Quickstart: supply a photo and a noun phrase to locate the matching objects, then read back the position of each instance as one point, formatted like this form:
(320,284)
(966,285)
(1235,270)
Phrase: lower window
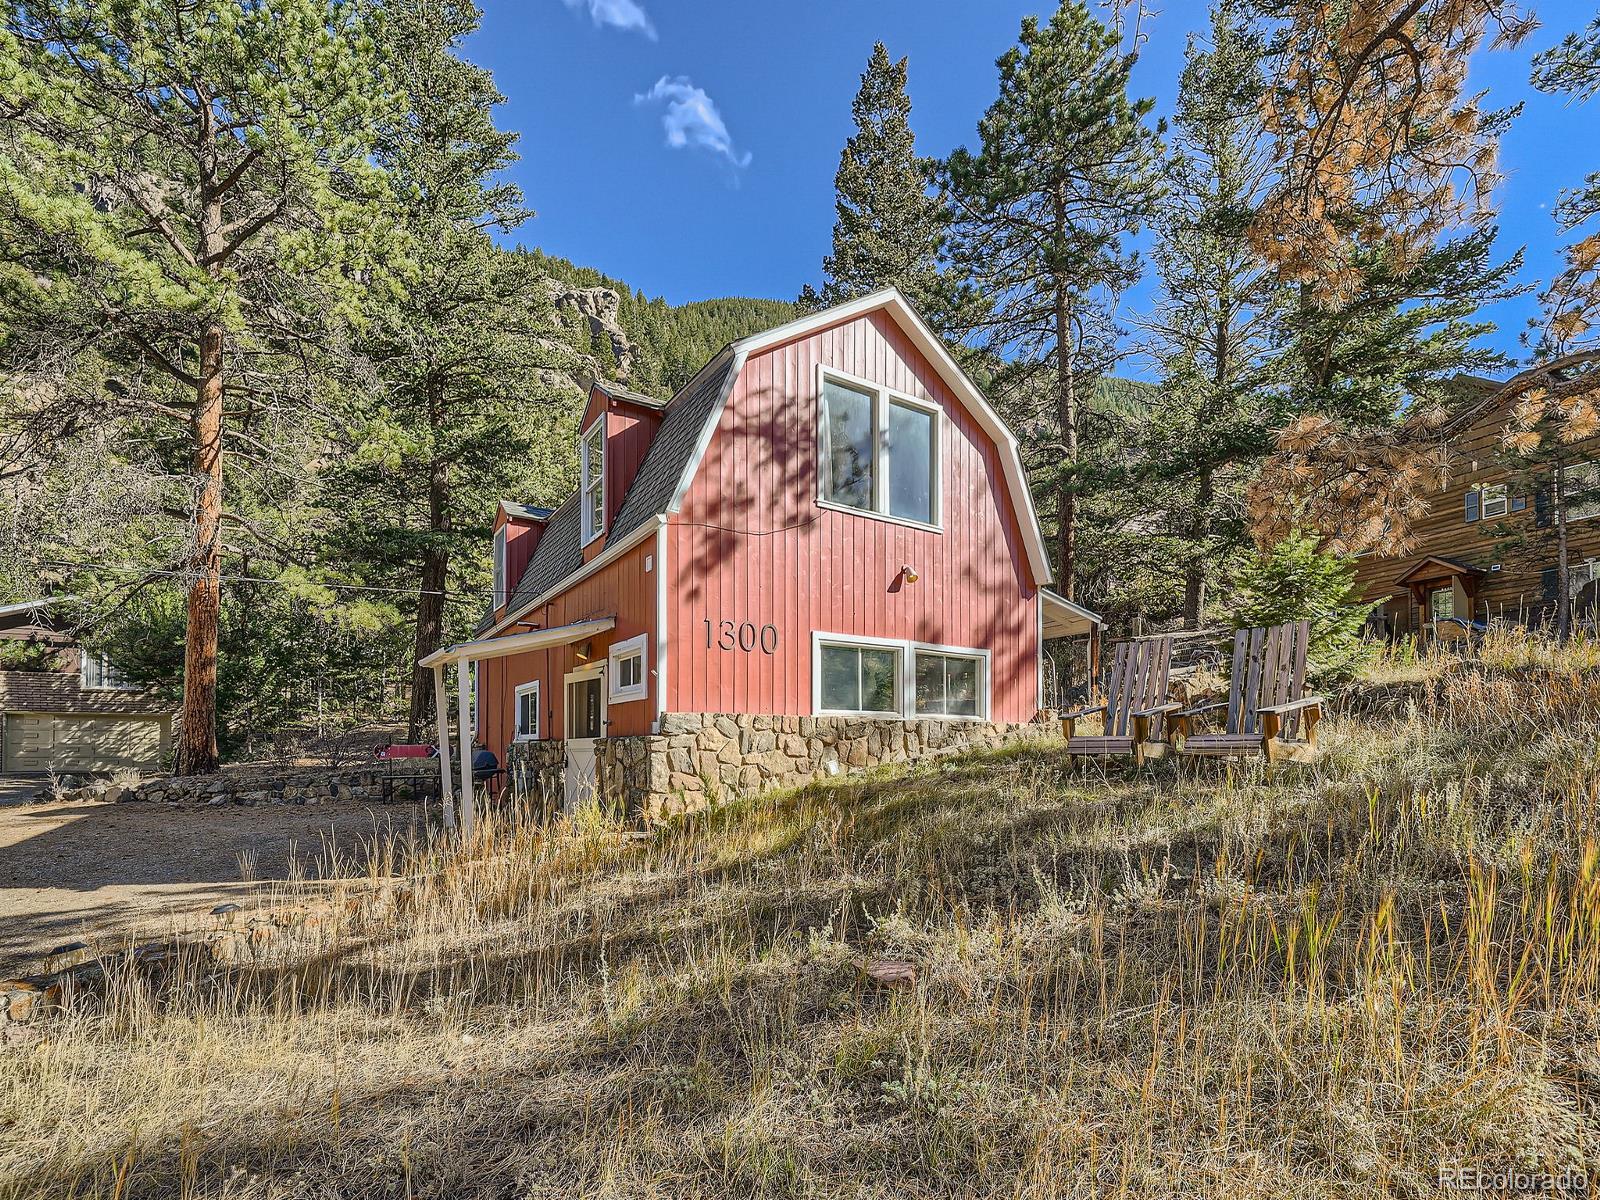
(948,684)
(527,702)
(895,678)
(859,679)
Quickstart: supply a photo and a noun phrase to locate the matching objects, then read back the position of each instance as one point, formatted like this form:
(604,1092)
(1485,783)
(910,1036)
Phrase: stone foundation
(534,770)
(701,758)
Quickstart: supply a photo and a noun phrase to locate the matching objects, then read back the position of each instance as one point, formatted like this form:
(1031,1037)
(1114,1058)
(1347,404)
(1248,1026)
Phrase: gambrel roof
(690,421)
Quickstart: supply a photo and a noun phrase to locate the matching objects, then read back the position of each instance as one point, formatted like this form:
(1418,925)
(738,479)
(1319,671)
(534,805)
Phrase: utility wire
(346,587)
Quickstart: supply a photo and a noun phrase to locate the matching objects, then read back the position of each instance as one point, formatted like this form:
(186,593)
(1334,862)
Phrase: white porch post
(441,709)
(464,732)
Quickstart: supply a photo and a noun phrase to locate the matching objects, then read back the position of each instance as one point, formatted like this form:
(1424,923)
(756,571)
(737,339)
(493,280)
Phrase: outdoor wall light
(909,573)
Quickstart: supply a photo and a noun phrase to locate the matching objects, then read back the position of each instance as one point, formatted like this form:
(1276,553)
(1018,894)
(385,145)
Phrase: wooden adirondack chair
(1136,699)
(1266,704)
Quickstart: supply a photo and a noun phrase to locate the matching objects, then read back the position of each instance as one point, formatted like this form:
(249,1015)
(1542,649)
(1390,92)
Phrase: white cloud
(619,14)
(691,119)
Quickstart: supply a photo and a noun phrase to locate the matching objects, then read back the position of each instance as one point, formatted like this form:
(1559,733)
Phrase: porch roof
(1436,566)
(1063,618)
(519,643)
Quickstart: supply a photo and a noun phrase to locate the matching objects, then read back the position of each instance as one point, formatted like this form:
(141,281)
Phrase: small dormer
(517,530)
(617,429)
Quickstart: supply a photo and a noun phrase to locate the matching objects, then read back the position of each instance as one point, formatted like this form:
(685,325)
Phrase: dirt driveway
(88,871)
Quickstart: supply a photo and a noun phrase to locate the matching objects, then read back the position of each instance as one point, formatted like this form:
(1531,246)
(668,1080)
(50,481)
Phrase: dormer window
(500,567)
(879,453)
(593,452)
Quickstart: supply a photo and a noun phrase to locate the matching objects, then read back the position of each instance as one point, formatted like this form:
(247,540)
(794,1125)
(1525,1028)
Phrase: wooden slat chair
(1266,705)
(1135,703)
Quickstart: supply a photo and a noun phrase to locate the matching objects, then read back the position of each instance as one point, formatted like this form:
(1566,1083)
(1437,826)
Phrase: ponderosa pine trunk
(430,602)
(197,743)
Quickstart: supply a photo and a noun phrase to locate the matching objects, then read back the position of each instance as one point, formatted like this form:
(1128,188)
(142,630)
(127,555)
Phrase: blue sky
(689,146)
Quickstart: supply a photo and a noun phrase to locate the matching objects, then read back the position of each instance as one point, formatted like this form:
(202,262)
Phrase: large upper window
(859,679)
(594,480)
(879,452)
(500,567)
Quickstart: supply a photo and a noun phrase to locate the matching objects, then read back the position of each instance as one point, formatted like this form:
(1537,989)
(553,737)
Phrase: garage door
(63,742)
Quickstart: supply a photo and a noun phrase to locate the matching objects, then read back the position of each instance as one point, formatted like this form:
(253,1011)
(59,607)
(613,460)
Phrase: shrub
(1296,580)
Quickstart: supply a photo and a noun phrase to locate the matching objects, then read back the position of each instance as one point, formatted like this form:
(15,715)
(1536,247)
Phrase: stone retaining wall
(412,779)
(700,758)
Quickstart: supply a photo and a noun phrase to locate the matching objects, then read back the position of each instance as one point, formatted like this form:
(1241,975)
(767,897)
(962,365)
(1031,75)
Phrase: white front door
(585,724)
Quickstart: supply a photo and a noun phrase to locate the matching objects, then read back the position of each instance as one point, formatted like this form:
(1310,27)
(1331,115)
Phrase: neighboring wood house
(71,710)
(1487,549)
(821,553)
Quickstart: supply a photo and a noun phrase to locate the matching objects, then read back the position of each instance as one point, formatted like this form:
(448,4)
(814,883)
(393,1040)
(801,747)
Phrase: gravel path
(92,871)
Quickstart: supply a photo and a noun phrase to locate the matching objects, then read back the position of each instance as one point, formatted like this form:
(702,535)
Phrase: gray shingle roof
(559,552)
(618,392)
(670,452)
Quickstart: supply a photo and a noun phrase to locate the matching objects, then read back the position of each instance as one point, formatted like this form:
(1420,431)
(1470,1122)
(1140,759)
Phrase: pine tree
(1380,223)
(1216,320)
(888,229)
(187,189)
(1067,171)
(458,410)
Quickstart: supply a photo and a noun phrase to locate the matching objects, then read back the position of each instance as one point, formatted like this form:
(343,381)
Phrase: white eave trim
(518,643)
(605,558)
(954,377)
(1058,611)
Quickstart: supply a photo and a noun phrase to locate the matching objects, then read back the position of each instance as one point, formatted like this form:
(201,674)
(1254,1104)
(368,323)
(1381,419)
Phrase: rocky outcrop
(595,314)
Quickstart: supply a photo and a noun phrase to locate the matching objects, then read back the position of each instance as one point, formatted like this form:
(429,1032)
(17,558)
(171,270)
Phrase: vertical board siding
(624,590)
(751,544)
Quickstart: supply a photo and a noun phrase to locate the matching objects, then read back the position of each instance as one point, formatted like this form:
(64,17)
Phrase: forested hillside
(652,346)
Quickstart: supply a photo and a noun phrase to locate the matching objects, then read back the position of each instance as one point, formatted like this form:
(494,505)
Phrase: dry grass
(1199,981)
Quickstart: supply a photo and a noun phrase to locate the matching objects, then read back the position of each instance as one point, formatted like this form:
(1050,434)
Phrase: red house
(820,554)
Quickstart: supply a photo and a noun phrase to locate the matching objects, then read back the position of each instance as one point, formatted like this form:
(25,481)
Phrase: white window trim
(907,682)
(524,689)
(1502,495)
(585,480)
(620,650)
(500,596)
(882,396)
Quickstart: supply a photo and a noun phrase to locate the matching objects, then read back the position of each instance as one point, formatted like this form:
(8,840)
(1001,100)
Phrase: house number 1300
(725,635)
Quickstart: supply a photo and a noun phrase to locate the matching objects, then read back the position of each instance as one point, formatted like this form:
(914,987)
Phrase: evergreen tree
(1067,171)
(187,188)
(888,230)
(458,413)
(1297,580)
(1216,320)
